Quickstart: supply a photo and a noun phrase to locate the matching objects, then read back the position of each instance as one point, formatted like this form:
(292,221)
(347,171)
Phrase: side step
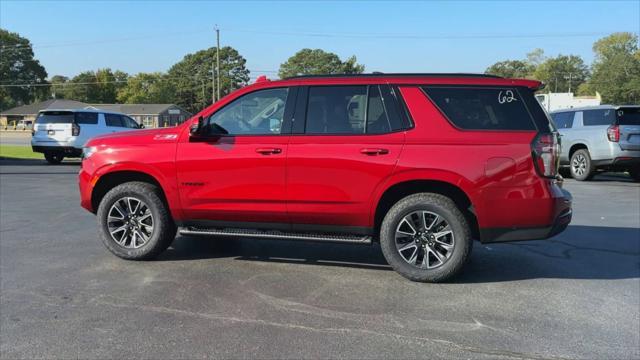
(274,234)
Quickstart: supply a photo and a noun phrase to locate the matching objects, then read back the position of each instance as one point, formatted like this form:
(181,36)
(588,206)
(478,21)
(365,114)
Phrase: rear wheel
(134,222)
(581,166)
(53,158)
(425,237)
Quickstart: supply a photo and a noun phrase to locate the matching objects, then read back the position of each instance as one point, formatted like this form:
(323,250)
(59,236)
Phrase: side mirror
(196,128)
(141,126)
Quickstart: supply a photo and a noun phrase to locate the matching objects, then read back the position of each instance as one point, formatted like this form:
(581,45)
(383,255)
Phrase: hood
(137,136)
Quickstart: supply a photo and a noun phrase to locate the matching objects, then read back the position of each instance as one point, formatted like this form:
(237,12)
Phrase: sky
(454,36)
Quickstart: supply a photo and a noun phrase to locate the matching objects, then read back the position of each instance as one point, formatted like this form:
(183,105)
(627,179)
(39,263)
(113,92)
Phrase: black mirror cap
(196,129)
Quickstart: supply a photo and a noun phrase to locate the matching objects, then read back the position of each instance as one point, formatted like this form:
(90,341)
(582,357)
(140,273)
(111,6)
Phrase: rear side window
(563,120)
(86,118)
(482,108)
(628,116)
(598,117)
(352,110)
(114,120)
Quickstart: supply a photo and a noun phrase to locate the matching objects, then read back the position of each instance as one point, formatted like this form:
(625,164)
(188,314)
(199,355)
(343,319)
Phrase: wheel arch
(577,146)
(107,179)
(402,188)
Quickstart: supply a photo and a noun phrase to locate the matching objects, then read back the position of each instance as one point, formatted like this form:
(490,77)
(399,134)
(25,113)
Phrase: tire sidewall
(456,220)
(588,169)
(159,222)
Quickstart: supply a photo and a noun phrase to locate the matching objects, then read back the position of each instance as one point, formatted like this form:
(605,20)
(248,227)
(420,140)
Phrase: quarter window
(258,113)
(86,118)
(482,108)
(598,117)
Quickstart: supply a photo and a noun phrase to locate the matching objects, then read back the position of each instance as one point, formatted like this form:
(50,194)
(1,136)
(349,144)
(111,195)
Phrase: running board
(273,234)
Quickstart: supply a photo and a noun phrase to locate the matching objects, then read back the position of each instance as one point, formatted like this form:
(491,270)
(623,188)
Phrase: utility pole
(213,83)
(218,57)
(569,78)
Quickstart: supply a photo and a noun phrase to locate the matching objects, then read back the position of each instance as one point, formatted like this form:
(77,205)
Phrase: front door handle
(268,151)
(374,151)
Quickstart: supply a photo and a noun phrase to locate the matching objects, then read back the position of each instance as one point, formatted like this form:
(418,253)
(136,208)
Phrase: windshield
(628,116)
(58,117)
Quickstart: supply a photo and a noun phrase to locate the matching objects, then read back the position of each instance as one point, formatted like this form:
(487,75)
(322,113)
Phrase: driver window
(258,113)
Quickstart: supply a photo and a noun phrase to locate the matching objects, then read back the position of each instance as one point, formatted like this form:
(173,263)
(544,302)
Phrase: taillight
(613,133)
(546,154)
(75,129)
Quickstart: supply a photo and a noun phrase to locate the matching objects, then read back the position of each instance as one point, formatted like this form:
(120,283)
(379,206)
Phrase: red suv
(422,163)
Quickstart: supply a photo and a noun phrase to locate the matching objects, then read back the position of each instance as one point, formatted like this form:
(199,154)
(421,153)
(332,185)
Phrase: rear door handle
(268,151)
(372,152)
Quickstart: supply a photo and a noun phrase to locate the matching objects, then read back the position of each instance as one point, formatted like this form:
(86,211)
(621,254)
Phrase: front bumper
(562,218)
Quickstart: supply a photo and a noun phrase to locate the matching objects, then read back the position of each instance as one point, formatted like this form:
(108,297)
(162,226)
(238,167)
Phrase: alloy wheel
(579,164)
(424,239)
(130,222)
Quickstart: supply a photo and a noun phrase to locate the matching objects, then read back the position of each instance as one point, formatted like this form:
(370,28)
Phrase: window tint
(482,108)
(382,113)
(336,110)
(629,116)
(113,120)
(86,118)
(563,120)
(257,113)
(55,117)
(130,123)
(598,117)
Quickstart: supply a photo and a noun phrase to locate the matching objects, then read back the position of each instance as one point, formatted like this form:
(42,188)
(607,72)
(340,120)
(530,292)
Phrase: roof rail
(379,74)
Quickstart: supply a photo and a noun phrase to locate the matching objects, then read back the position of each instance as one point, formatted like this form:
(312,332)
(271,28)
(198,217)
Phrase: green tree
(18,66)
(511,69)
(563,73)
(616,68)
(147,88)
(58,89)
(191,77)
(99,86)
(316,62)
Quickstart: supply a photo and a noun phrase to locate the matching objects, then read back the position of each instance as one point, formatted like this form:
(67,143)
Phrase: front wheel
(134,223)
(426,238)
(53,158)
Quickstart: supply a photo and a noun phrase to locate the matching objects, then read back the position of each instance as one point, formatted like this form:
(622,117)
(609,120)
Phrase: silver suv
(605,137)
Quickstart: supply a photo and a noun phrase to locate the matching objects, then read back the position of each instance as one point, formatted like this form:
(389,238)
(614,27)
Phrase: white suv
(60,133)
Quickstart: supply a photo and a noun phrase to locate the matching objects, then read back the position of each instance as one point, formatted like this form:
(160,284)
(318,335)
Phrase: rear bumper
(67,150)
(562,217)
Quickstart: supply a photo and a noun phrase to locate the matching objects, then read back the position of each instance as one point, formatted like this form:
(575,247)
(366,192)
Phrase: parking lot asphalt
(15,137)
(63,295)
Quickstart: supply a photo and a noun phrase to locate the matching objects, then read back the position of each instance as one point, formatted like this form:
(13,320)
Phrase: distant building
(558,101)
(150,115)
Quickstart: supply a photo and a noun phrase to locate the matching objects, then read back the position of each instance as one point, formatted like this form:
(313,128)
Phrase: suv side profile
(605,137)
(421,163)
(60,133)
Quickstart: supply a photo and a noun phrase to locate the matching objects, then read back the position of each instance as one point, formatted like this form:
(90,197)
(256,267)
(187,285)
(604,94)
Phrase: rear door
(346,143)
(53,127)
(628,120)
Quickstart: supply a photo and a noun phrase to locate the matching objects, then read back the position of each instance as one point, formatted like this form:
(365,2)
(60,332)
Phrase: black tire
(53,158)
(581,166)
(635,173)
(164,229)
(447,209)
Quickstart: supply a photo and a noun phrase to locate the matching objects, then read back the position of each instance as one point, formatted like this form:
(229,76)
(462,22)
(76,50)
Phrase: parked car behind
(605,137)
(422,163)
(60,133)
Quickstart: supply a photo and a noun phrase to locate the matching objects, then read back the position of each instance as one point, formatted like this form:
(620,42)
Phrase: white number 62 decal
(507,97)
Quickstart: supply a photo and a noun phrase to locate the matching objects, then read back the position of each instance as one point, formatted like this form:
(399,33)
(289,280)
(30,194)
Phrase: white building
(557,101)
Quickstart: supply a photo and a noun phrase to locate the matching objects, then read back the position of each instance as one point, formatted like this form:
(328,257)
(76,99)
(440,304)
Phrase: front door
(236,172)
(350,144)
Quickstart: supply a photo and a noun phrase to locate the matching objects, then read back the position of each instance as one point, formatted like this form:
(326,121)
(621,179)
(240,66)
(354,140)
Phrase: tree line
(615,73)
